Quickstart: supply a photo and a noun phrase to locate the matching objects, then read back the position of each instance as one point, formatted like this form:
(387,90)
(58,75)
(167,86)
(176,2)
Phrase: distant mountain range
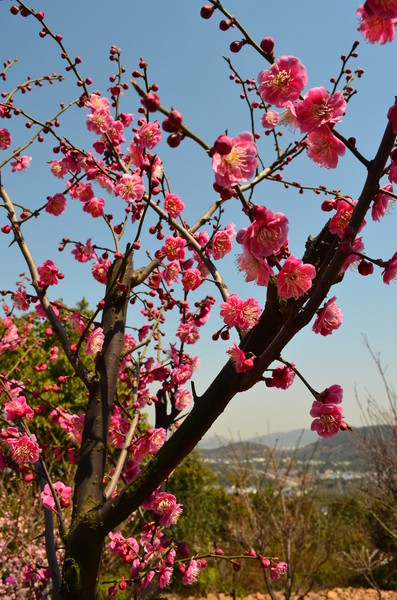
(348,447)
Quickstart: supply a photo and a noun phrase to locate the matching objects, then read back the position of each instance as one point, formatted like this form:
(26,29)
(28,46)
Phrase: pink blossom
(95,102)
(278,569)
(99,121)
(84,252)
(392,116)
(149,135)
(5,139)
(82,191)
(78,322)
(95,341)
(164,576)
(239,164)
(165,505)
(174,248)
(283,82)
(324,148)
(240,313)
(240,360)
(182,398)
(358,246)
(222,241)
(329,318)
(266,234)
(94,207)
(191,279)
(319,107)
(295,278)
(21,163)
(48,274)
(20,299)
(282,378)
(173,205)
(188,333)
(24,449)
(130,188)
(63,492)
(100,270)
(56,204)
(170,273)
(332,395)
(126,548)
(270,119)
(327,418)
(17,408)
(374,28)
(381,203)
(192,572)
(385,9)
(390,270)
(255,269)
(342,217)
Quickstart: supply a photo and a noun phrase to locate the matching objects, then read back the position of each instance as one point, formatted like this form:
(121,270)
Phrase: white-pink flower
(95,341)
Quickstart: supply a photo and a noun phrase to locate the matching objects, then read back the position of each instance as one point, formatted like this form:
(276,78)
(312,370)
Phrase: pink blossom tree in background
(156,267)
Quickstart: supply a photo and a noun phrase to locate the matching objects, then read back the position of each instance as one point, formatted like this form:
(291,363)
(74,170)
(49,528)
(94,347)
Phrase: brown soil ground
(335,594)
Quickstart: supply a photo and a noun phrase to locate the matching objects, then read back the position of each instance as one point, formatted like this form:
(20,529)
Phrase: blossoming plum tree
(121,466)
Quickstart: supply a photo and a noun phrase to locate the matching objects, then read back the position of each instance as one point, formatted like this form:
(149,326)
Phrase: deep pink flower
(20,299)
(266,234)
(174,248)
(324,148)
(130,188)
(173,205)
(18,408)
(191,279)
(352,259)
(171,272)
(5,139)
(56,204)
(222,242)
(327,418)
(188,332)
(240,313)
(239,164)
(166,505)
(381,203)
(319,107)
(374,28)
(385,9)
(84,252)
(390,270)
(48,274)
(278,569)
(329,318)
(24,449)
(149,135)
(392,116)
(282,378)
(94,207)
(283,82)
(63,492)
(341,218)
(240,360)
(295,278)
(21,163)
(332,395)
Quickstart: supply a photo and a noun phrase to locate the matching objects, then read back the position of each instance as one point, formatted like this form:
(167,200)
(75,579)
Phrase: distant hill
(347,448)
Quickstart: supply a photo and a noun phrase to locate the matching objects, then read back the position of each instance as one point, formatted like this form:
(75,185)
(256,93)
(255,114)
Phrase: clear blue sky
(184,53)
